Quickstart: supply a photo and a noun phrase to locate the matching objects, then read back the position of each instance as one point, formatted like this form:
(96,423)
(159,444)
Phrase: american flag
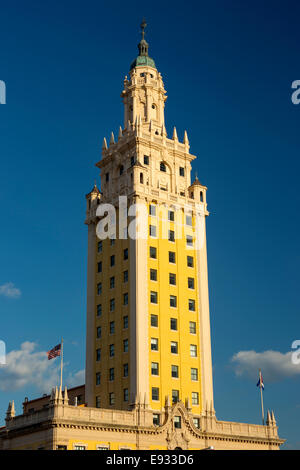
(260,382)
(54,352)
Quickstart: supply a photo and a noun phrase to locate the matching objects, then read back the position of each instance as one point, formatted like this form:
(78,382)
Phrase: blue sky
(228,68)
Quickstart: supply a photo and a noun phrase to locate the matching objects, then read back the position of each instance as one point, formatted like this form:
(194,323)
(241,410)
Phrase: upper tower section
(144,94)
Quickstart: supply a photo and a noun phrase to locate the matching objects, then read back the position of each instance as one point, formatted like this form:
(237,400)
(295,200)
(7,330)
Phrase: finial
(175,137)
(112,139)
(143,26)
(104,145)
(185,139)
(143,45)
(120,133)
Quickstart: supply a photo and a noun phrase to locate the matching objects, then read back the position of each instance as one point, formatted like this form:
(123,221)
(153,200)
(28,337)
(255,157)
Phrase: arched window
(163,167)
(201,196)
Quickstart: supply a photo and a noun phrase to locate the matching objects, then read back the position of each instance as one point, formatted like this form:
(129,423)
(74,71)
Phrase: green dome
(142,61)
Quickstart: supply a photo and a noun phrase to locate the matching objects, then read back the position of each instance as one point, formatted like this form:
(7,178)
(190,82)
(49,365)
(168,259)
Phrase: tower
(148,326)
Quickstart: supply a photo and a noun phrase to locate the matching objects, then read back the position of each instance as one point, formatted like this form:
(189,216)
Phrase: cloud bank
(9,290)
(275,366)
(28,367)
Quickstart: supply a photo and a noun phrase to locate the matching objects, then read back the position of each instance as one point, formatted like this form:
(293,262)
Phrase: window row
(111,349)
(111,374)
(173,324)
(112,261)
(174,347)
(172,257)
(173,301)
(171,215)
(112,327)
(112,282)
(175,396)
(171,235)
(112,398)
(174,371)
(172,279)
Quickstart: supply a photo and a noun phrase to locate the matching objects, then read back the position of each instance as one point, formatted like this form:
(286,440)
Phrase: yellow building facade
(148,348)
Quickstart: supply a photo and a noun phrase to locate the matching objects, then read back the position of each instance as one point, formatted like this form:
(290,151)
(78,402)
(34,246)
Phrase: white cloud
(275,366)
(9,290)
(28,367)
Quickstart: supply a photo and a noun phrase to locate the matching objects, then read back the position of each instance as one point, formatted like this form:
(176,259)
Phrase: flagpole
(261,398)
(61,362)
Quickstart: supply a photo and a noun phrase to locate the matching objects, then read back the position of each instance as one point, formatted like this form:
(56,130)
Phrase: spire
(185,139)
(104,145)
(112,139)
(175,137)
(120,133)
(143,45)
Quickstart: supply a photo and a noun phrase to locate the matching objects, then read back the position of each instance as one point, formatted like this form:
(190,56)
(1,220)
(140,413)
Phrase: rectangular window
(190,261)
(111,350)
(125,322)
(154,368)
(132,160)
(175,372)
(112,305)
(175,396)
(97,402)
(181,171)
(192,327)
(125,276)
(112,327)
(156,420)
(112,241)
(153,254)
(191,305)
(125,370)
(189,240)
(112,260)
(146,160)
(193,350)
(171,236)
(125,345)
(194,374)
(173,324)
(112,282)
(98,378)
(111,398)
(196,422)
(100,247)
(153,274)
(99,266)
(155,393)
(106,177)
(153,297)
(152,230)
(191,283)
(99,310)
(99,288)
(173,301)
(99,332)
(126,254)
(111,374)
(189,220)
(172,279)
(171,216)
(98,355)
(177,422)
(125,394)
(172,258)
(154,344)
(174,347)
(152,210)
(154,321)
(195,398)
(125,299)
